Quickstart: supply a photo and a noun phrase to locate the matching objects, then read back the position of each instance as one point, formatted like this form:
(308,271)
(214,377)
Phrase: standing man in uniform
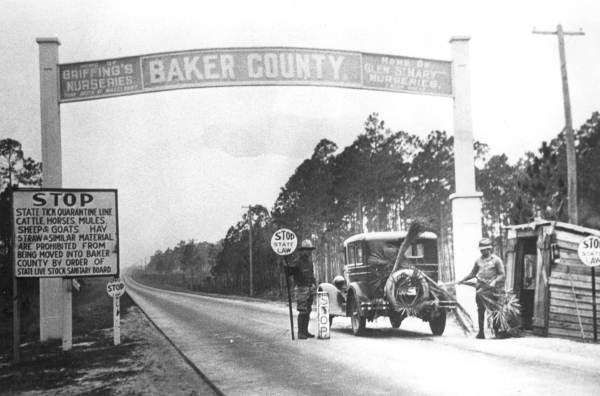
(302,272)
(489,274)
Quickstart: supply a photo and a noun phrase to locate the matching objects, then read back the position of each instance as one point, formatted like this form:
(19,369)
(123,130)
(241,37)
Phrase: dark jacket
(302,270)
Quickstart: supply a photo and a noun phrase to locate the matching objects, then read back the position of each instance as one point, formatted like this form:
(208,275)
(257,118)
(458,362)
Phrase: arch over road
(252,66)
(221,67)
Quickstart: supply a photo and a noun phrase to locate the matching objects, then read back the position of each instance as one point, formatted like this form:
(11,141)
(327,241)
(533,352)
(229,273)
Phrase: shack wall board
(571,291)
(563,299)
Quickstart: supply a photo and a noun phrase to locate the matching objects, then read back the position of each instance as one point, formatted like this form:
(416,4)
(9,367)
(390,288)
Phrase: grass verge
(143,364)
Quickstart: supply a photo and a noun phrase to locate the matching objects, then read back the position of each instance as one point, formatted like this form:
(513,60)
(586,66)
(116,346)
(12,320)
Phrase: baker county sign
(252,66)
(65,233)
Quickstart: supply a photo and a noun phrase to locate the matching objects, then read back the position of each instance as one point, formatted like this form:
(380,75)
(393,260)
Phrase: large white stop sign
(284,242)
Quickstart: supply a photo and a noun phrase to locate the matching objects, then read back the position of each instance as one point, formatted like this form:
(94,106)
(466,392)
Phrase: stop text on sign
(56,198)
(115,288)
(323,330)
(65,233)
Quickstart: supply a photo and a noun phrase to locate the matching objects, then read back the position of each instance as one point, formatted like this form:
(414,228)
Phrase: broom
(504,309)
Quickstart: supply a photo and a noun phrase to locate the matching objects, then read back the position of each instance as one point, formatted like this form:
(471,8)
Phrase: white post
(53,291)
(466,201)
(323,331)
(116,320)
(67,330)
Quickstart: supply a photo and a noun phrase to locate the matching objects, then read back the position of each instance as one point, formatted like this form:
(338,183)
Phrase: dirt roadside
(144,364)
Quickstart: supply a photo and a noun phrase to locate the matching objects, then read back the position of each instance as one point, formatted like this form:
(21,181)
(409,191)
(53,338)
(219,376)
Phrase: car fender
(337,300)
(358,291)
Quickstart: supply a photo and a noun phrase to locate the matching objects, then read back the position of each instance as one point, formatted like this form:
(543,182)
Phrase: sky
(185,162)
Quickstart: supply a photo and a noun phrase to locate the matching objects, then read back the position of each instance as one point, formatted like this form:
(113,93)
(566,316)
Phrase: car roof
(385,236)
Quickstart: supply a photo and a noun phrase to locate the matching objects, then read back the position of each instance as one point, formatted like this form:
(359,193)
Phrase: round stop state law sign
(284,242)
(589,251)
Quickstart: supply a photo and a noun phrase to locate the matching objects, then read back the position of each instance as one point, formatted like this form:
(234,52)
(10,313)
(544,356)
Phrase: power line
(570,138)
(250,247)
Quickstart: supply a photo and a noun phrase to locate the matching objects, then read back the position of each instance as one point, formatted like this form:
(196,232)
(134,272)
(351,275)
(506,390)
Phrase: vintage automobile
(370,289)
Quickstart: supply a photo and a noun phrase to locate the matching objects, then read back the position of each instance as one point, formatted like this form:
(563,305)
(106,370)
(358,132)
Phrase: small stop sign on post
(116,289)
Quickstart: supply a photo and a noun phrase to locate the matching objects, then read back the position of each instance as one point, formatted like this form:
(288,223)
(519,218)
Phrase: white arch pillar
(55,302)
(466,201)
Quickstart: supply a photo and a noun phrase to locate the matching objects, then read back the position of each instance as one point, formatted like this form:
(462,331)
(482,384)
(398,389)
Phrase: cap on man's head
(307,244)
(485,243)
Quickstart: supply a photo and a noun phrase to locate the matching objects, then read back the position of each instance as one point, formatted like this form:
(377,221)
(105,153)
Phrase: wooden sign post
(283,243)
(115,289)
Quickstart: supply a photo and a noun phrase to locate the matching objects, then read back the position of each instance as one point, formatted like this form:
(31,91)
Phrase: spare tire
(399,290)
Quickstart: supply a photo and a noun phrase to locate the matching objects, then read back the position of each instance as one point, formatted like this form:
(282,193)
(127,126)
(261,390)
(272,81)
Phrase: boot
(302,327)
(481,320)
(307,320)
(498,332)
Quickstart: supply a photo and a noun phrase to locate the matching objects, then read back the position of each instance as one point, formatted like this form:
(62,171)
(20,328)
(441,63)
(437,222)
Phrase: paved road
(245,348)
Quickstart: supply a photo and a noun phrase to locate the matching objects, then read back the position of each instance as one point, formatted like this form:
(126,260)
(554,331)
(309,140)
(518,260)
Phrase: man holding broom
(489,274)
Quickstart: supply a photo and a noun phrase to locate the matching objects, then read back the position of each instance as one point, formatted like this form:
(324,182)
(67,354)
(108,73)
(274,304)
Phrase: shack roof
(557,224)
(386,236)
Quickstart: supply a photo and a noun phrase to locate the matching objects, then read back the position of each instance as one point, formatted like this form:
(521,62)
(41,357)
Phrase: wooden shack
(553,286)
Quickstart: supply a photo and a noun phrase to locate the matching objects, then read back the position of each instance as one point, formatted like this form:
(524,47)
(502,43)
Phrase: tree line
(191,260)
(382,181)
(386,179)
(16,169)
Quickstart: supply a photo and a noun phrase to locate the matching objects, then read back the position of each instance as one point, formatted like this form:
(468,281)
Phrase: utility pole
(570,137)
(250,246)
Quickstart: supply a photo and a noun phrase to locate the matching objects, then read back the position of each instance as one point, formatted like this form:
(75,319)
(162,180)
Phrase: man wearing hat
(304,286)
(489,273)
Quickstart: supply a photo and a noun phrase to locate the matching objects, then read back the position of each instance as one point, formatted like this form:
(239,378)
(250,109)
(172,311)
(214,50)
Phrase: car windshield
(384,252)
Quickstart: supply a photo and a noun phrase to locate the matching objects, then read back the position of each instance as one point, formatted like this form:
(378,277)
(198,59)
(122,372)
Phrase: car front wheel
(358,321)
